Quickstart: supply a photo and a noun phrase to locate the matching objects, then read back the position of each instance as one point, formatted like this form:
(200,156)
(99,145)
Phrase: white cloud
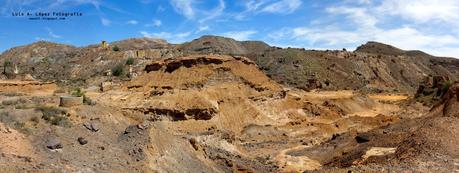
(410,38)
(105,21)
(51,33)
(268,6)
(184,7)
(254,5)
(202,28)
(160,9)
(155,23)
(331,37)
(422,11)
(62,3)
(357,15)
(162,35)
(42,39)
(171,37)
(192,11)
(183,34)
(132,22)
(364,1)
(283,6)
(350,25)
(407,38)
(240,35)
(211,14)
(145,1)
(279,34)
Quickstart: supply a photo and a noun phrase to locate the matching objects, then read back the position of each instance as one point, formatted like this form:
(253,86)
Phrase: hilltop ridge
(372,66)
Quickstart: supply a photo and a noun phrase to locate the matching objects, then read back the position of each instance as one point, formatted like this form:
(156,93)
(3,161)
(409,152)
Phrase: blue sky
(428,25)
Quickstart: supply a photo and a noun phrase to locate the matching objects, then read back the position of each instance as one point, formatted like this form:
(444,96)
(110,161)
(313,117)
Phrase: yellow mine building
(104,44)
(140,53)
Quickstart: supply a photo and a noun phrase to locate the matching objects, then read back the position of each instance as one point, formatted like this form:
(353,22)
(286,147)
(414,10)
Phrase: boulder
(82,141)
(53,144)
(361,138)
(28,77)
(93,126)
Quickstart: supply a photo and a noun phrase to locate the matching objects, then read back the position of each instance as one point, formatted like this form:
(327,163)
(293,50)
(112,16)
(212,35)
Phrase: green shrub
(80,93)
(445,87)
(130,61)
(88,101)
(116,48)
(6,63)
(118,70)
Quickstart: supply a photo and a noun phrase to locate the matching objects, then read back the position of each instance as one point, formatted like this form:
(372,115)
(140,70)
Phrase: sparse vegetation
(12,122)
(14,102)
(24,106)
(130,61)
(445,87)
(55,116)
(6,64)
(11,94)
(116,48)
(118,70)
(60,90)
(78,92)
(35,120)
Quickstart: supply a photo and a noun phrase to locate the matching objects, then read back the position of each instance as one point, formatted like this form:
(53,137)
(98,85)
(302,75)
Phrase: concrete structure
(69,101)
(105,86)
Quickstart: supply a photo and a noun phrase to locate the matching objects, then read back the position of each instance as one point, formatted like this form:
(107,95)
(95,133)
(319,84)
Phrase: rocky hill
(212,113)
(212,44)
(371,67)
(380,48)
(141,44)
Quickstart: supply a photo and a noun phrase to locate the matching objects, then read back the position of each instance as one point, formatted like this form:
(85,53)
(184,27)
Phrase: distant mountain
(371,67)
(37,50)
(141,43)
(379,48)
(222,45)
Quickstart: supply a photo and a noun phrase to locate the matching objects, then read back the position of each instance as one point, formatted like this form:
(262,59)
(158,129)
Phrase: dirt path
(328,95)
(296,163)
(30,87)
(388,97)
